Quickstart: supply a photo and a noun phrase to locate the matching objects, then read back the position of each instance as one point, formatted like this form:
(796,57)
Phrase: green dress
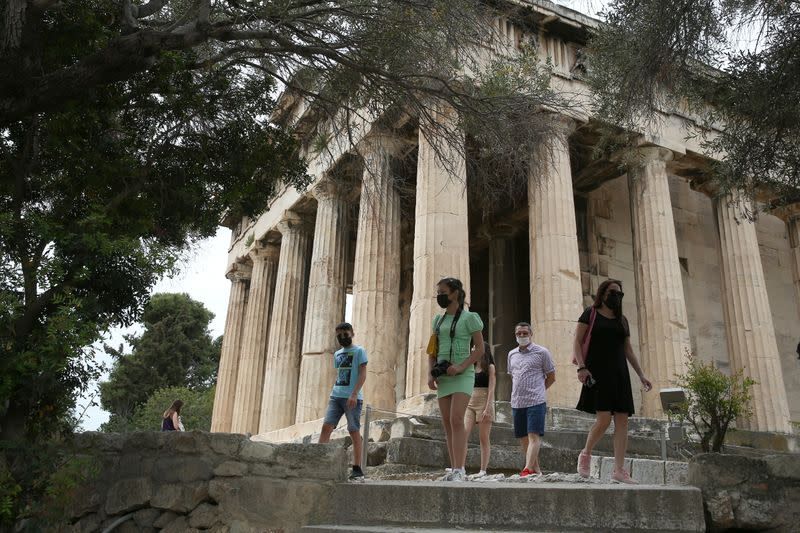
(468,323)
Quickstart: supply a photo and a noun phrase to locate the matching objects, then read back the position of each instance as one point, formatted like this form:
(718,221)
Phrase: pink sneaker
(584,460)
(623,477)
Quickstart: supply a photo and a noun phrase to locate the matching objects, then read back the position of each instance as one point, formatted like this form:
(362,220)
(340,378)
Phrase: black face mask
(614,301)
(344,341)
(443,300)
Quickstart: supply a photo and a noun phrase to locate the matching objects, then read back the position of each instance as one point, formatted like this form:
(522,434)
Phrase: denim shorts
(529,420)
(338,407)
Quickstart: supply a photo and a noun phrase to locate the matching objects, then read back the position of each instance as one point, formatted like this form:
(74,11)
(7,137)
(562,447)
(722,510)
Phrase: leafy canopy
(654,56)
(175,350)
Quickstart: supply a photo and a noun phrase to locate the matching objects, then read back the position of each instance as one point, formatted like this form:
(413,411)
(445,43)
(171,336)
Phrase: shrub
(713,401)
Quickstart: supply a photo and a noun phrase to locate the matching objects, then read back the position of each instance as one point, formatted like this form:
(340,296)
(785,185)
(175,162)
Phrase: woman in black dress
(603,372)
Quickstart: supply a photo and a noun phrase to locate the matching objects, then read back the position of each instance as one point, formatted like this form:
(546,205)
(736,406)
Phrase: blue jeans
(529,420)
(338,407)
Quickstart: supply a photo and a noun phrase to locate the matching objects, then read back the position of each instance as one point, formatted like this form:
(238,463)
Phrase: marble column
(791,215)
(250,382)
(225,394)
(555,272)
(663,324)
(441,240)
(376,276)
(286,327)
(325,307)
(748,318)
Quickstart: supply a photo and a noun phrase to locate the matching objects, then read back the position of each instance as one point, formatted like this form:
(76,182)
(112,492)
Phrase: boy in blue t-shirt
(346,398)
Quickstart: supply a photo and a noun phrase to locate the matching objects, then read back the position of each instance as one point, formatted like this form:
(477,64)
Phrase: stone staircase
(427,506)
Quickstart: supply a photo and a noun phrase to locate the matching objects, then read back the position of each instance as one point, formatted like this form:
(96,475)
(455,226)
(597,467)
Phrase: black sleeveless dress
(608,365)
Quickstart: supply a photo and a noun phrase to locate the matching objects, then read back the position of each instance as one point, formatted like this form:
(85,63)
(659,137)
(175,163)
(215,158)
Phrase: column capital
(326,189)
(788,212)
(563,124)
(265,252)
(294,223)
(239,272)
(380,140)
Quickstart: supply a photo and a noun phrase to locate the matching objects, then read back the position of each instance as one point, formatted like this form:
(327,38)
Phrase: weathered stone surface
(257,500)
(182,469)
(204,516)
(226,444)
(607,467)
(257,451)
(128,494)
(648,471)
(180,498)
(306,461)
(166,518)
(376,454)
(184,442)
(231,469)
(676,473)
(146,517)
(524,506)
(96,441)
(380,430)
(743,493)
(784,466)
(135,465)
(87,524)
(179,525)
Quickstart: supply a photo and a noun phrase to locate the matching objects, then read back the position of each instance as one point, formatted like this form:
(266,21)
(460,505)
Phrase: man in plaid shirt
(532,373)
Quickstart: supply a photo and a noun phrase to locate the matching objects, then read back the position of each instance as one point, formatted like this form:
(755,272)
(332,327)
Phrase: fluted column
(663,323)
(441,240)
(286,327)
(250,382)
(376,276)
(225,394)
(325,307)
(791,215)
(503,303)
(556,294)
(748,318)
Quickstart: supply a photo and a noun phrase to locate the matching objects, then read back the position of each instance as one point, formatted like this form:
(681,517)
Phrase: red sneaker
(525,473)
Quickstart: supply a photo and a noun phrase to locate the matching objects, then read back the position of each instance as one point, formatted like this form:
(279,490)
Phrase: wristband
(582,368)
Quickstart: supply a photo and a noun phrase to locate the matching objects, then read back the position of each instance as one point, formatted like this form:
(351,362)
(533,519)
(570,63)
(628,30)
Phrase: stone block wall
(748,494)
(204,481)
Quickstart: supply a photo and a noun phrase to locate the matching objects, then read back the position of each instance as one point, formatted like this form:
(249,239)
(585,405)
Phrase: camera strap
(452,329)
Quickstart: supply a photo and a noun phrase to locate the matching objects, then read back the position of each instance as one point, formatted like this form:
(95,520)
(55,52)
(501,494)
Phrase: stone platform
(430,506)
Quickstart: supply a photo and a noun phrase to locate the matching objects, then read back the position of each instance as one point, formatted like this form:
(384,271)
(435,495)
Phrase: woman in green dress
(452,374)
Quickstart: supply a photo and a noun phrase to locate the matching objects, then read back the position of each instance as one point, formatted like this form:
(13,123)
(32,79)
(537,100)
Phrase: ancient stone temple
(384,222)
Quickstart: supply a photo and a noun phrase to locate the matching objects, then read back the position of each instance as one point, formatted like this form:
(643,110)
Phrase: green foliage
(175,350)
(9,494)
(656,56)
(195,413)
(714,400)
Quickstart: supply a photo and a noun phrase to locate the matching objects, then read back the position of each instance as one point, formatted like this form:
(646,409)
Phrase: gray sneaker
(457,475)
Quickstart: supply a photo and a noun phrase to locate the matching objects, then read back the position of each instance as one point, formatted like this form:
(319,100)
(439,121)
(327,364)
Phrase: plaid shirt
(528,367)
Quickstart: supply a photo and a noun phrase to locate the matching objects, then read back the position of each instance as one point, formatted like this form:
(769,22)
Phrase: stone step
(518,506)
(432,454)
(408,529)
(430,428)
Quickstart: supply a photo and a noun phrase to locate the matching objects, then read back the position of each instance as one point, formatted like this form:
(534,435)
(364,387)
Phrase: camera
(440,369)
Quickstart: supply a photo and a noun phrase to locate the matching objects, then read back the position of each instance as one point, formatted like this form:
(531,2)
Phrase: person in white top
(532,373)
